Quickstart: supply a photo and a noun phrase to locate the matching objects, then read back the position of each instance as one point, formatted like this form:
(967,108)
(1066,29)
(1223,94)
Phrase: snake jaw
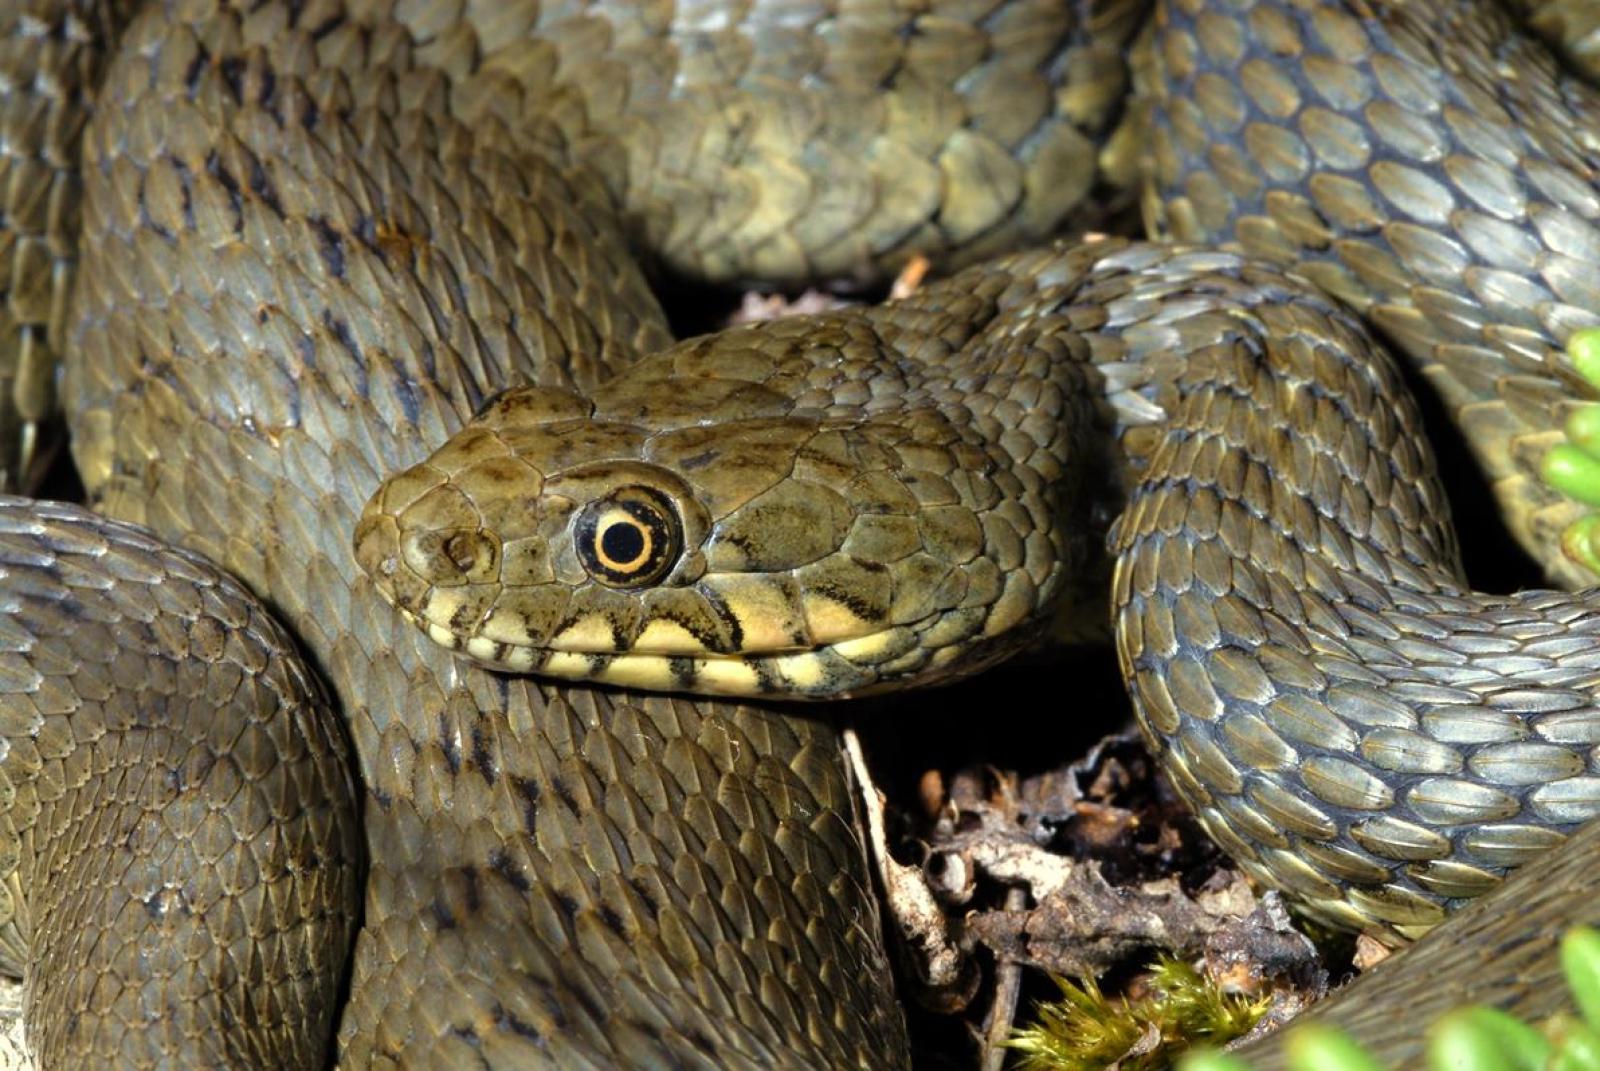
(812,674)
(826,673)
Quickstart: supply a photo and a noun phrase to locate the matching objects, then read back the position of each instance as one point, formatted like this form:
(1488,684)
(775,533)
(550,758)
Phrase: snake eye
(630,538)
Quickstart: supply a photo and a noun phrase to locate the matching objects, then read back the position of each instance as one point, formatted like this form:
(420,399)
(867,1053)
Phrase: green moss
(1087,1031)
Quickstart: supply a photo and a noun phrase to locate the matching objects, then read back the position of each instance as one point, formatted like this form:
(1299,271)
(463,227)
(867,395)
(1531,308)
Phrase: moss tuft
(1087,1031)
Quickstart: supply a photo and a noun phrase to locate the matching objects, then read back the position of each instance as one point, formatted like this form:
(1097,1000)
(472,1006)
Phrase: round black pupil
(622,542)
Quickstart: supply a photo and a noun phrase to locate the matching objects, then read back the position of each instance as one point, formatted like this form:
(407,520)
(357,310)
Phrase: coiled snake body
(318,236)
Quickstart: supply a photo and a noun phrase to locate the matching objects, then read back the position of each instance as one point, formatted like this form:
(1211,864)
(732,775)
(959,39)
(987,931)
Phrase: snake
(255,816)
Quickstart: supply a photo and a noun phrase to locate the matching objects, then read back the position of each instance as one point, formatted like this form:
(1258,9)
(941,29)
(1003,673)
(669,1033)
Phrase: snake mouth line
(820,673)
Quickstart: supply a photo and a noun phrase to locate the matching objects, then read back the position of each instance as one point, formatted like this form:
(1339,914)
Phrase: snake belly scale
(319,236)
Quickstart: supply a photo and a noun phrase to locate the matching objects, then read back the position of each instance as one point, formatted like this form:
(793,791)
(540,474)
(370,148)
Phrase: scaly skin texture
(1500,950)
(180,821)
(322,235)
(1353,724)
(951,132)
(53,53)
(1396,162)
